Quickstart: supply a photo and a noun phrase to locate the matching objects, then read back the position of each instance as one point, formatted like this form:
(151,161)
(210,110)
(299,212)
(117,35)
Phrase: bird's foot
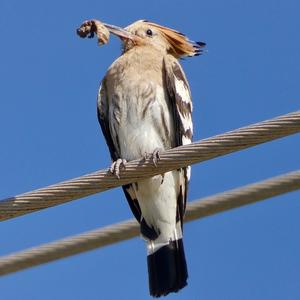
(154,156)
(117,165)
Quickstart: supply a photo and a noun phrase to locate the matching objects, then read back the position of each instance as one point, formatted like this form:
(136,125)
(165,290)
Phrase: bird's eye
(149,32)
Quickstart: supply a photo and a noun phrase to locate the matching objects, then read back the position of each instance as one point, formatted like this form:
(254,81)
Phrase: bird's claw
(117,165)
(154,156)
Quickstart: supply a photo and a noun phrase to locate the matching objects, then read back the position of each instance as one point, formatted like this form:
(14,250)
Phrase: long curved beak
(120,32)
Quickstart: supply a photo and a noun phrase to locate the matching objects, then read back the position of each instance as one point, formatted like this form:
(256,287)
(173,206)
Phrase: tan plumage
(179,44)
(175,43)
(144,104)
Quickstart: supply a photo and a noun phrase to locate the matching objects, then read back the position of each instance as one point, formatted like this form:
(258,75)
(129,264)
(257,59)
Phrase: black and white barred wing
(181,103)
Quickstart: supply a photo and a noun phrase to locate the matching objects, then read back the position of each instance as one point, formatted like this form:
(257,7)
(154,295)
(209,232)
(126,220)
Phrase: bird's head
(143,33)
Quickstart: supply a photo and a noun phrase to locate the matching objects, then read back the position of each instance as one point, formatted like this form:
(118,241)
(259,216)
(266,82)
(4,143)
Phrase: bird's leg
(117,165)
(154,156)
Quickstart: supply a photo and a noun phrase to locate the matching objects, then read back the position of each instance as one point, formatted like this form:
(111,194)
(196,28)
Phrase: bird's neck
(143,57)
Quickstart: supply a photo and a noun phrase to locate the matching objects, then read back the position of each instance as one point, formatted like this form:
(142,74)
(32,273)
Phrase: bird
(144,107)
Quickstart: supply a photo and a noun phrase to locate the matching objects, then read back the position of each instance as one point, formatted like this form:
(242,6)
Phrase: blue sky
(49,133)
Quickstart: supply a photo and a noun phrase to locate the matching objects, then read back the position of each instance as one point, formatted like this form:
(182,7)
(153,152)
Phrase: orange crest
(180,45)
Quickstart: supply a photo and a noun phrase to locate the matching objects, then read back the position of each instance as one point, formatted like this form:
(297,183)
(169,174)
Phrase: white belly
(136,141)
(138,132)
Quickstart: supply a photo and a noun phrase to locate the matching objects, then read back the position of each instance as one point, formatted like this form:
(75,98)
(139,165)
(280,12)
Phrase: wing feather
(103,118)
(181,103)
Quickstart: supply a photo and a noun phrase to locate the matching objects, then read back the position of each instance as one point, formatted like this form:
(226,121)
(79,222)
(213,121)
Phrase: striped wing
(181,103)
(103,118)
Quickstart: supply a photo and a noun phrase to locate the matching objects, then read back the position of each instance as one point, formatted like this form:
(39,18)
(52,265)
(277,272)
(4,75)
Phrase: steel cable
(138,169)
(126,230)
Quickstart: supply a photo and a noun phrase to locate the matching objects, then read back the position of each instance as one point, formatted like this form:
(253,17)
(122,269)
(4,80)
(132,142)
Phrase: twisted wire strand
(138,169)
(126,230)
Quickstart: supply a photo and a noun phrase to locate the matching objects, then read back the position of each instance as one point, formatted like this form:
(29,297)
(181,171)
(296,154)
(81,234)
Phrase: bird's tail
(167,268)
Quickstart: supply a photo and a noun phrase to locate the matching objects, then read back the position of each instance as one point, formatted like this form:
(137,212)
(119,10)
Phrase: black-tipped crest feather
(180,45)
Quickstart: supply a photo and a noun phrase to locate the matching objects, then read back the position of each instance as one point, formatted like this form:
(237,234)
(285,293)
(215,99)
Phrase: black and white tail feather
(167,269)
